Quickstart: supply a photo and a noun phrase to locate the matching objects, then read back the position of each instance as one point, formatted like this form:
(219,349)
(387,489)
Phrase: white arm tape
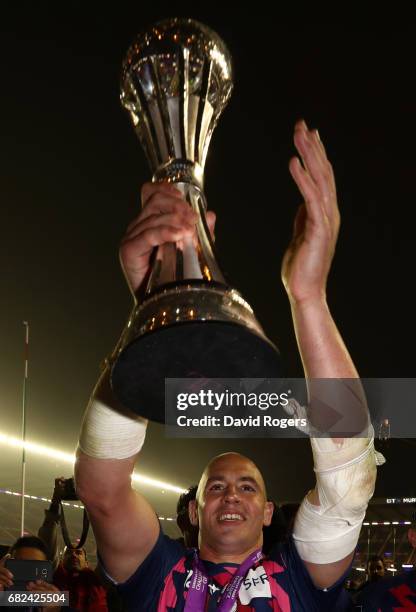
(345,477)
(108,430)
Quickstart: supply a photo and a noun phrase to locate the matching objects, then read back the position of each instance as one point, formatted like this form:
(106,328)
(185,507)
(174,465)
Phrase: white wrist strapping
(108,430)
(345,476)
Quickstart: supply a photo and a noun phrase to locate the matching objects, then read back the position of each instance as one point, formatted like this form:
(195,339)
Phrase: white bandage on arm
(345,480)
(109,431)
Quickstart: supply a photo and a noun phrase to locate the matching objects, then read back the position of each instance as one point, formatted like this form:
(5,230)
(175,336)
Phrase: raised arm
(329,520)
(125,526)
(307,261)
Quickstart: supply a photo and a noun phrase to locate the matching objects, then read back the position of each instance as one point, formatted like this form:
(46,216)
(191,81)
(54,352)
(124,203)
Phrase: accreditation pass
(29,599)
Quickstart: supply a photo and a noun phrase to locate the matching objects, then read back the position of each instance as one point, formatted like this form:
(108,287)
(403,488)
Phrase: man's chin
(75,568)
(231,533)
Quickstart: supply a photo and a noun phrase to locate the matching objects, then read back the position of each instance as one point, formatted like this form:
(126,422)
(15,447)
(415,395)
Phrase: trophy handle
(192,258)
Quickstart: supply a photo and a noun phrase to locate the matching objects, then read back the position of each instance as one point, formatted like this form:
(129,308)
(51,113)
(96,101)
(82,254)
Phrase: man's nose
(231,494)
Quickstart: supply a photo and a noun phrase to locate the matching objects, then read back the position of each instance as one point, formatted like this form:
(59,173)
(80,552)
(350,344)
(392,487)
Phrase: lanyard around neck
(197,594)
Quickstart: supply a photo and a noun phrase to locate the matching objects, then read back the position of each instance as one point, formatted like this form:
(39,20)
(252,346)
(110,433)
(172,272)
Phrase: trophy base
(200,349)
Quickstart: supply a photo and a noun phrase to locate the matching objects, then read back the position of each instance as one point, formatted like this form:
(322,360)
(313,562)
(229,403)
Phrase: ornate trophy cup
(187,321)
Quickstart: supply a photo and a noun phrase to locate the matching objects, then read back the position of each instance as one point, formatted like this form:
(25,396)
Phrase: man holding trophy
(228,571)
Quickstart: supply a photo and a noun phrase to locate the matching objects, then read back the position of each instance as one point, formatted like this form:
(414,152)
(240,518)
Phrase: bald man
(229,571)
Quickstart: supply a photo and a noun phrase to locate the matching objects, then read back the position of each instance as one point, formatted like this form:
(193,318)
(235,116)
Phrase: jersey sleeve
(142,590)
(300,588)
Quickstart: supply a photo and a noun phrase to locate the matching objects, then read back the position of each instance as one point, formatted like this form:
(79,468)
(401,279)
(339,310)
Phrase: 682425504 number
(29,598)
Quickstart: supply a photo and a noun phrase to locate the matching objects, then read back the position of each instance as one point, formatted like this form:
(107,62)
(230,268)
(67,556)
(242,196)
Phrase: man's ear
(268,513)
(193,512)
(411,534)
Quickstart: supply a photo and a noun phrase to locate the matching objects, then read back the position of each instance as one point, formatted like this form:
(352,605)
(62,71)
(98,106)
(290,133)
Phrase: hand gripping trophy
(187,320)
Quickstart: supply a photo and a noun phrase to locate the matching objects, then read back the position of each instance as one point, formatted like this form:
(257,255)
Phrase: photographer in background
(72,573)
(86,591)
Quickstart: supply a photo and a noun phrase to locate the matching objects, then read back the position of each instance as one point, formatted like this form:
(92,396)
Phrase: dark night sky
(71,169)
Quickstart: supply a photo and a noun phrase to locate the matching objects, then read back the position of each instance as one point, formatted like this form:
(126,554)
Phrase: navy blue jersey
(279,582)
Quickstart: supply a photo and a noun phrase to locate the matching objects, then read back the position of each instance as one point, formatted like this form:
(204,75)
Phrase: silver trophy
(186,321)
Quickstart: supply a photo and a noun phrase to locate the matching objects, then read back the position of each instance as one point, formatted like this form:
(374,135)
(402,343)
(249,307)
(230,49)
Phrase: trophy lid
(176,80)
